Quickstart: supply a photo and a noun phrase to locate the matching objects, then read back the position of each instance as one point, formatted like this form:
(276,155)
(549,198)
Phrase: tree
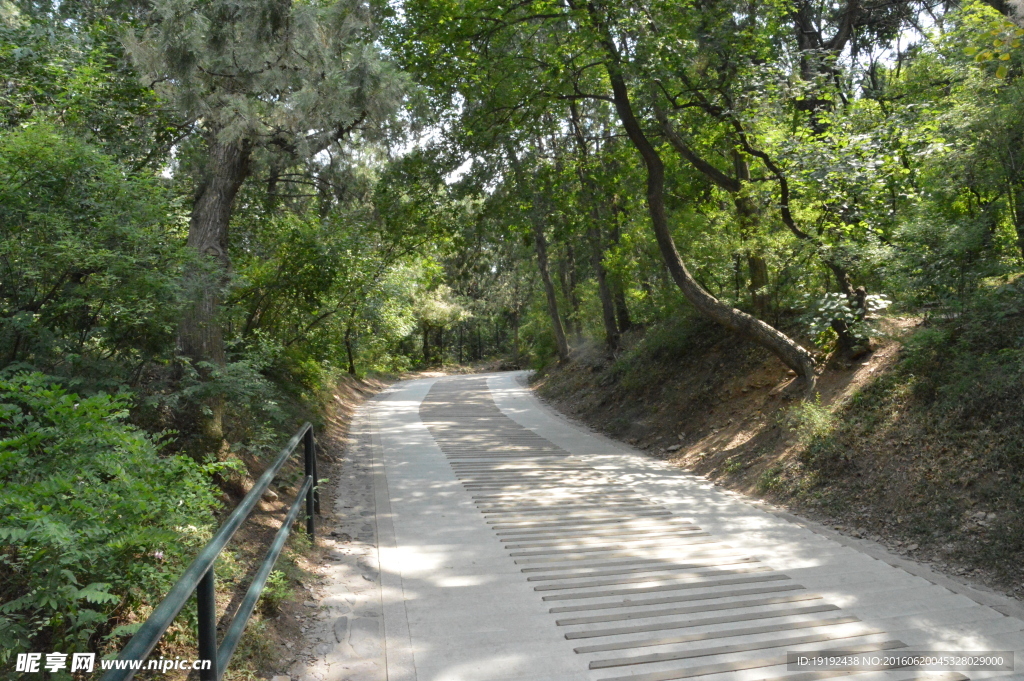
(289,80)
(561,49)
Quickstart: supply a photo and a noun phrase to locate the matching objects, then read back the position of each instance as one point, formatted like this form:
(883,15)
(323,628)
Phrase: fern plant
(94,523)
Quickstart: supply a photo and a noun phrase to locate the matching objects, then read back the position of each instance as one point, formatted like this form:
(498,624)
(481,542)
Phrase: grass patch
(771,480)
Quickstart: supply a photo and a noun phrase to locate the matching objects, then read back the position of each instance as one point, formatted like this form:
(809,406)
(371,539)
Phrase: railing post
(310,452)
(206,602)
(316,475)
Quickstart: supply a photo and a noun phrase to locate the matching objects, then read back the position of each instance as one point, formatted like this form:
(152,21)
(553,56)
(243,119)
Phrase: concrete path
(513,544)
(343,629)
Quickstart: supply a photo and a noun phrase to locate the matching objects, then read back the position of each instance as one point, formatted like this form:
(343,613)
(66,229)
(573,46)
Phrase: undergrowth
(82,491)
(936,443)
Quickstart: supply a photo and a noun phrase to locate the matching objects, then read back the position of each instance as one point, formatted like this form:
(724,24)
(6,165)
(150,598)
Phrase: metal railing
(199,576)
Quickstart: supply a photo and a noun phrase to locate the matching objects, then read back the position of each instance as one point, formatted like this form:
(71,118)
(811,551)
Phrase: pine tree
(252,76)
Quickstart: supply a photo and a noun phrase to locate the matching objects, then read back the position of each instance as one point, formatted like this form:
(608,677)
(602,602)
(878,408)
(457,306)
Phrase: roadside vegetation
(914,445)
(785,238)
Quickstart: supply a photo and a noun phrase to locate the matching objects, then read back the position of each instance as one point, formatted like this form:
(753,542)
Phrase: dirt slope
(878,455)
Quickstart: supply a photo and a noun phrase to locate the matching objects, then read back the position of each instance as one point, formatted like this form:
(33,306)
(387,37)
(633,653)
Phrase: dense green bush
(94,523)
(91,266)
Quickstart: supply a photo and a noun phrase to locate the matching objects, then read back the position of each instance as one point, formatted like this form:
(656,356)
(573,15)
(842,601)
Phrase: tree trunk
(541,244)
(515,339)
(567,276)
(622,318)
(758,284)
(604,292)
(200,337)
(611,330)
(549,289)
(749,218)
(1018,215)
(426,344)
(348,350)
(787,350)
(575,298)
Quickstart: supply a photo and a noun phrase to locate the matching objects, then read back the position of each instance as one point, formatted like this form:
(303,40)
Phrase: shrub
(94,523)
(816,427)
(274,593)
(836,307)
(91,260)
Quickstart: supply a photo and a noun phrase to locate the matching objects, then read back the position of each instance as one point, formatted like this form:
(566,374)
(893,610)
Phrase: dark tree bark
(604,292)
(200,337)
(549,290)
(783,347)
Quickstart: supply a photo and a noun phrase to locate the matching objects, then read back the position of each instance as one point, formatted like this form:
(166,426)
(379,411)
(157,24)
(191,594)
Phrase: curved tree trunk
(746,213)
(786,349)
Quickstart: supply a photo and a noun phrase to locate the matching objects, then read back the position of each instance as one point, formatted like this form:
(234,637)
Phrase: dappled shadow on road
(518,556)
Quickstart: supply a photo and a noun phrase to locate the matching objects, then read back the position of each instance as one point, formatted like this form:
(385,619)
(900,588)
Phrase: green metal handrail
(199,577)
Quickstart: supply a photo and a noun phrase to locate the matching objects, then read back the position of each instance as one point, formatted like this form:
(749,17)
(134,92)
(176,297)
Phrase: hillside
(917,445)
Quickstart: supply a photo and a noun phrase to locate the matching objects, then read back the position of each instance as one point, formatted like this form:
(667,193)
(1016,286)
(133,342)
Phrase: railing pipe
(234,633)
(151,631)
(206,606)
(316,476)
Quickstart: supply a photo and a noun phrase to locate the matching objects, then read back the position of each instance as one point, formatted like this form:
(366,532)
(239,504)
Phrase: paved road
(515,545)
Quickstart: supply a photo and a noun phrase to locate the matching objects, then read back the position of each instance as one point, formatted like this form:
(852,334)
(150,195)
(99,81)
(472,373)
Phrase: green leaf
(97,593)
